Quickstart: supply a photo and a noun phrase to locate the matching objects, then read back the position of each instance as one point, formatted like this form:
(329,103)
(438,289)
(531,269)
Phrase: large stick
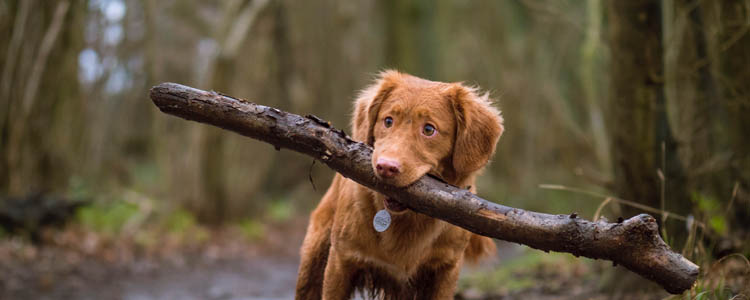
(634,243)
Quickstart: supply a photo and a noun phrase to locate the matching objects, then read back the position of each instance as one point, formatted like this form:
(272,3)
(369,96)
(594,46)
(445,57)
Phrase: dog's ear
(478,128)
(368,103)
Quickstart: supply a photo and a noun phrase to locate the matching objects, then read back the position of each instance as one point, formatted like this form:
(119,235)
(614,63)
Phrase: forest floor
(78,264)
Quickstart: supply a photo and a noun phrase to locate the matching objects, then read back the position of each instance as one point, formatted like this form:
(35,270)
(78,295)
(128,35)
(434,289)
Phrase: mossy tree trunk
(39,131)
(730,50)
(709,102)
(411,43)
(640,135)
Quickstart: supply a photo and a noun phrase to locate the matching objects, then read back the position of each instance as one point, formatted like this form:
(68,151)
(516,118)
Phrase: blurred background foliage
(646,101)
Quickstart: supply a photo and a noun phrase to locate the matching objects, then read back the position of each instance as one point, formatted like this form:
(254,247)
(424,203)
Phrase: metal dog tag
(381,221)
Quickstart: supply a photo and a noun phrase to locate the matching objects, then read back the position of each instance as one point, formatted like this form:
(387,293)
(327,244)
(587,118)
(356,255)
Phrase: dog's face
(413,133)
(418,126)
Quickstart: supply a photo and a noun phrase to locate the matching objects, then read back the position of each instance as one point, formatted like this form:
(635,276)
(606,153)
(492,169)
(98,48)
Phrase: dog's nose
(387,168)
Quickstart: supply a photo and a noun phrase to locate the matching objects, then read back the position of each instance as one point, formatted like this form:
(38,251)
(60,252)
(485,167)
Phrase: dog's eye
(428,130)
(388,122)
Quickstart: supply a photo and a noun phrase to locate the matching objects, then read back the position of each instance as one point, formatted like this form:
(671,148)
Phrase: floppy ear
(368,103)
(478,128)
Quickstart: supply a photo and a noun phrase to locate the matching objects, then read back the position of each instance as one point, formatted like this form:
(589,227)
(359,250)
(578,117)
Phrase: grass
(180,221)
(252,229)
(727,277)
(107,218)
(280,211)
(532,270)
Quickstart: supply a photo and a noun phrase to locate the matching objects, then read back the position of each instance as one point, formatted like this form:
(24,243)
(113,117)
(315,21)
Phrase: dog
(416,127)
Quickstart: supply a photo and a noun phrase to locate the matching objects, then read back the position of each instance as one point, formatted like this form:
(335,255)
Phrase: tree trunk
(411,44)
(641,139)
(731,46)
(37,99)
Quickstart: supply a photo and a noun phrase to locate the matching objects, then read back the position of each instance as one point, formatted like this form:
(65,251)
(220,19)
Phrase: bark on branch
(634,243)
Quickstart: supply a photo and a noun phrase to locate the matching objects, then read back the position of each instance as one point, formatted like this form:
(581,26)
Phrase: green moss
(146,239)
(106,218)
(705,203)
(517,274)
(280,211)
(711,207)
(252,229)
(718,224)
(180,221)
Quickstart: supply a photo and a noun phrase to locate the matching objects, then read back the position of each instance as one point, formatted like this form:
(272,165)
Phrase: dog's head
(418,126)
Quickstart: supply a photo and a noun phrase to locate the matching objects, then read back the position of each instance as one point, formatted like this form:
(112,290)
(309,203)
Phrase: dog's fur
(418,257)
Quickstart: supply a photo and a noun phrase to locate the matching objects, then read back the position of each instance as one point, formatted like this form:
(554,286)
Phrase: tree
(43,35)
(645,165)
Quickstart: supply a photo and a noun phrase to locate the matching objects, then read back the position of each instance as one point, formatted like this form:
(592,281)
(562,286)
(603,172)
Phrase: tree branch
(634,243)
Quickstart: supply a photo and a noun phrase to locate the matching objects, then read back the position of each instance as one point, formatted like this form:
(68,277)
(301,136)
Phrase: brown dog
(416,127)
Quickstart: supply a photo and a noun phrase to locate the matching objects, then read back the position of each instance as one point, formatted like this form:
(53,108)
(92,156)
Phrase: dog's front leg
(443,283)
(314,258)
(337,282)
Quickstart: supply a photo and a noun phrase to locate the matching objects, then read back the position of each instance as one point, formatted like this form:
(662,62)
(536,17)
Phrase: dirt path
(75,264)
(236,278)
(254,279)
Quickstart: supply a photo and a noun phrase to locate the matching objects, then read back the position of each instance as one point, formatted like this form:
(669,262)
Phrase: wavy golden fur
(416,127)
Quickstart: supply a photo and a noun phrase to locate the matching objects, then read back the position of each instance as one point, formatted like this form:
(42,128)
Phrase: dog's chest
(403,248)
(410,242)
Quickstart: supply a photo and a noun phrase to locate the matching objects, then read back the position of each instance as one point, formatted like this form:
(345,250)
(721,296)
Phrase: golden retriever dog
(416,127)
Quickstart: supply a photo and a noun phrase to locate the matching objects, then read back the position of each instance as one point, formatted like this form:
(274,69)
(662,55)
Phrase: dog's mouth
(393,205)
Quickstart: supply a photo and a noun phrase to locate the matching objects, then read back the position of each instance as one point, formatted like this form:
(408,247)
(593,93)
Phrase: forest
(611,108)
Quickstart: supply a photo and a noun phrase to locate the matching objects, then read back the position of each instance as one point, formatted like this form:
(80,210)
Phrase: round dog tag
(381,221)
